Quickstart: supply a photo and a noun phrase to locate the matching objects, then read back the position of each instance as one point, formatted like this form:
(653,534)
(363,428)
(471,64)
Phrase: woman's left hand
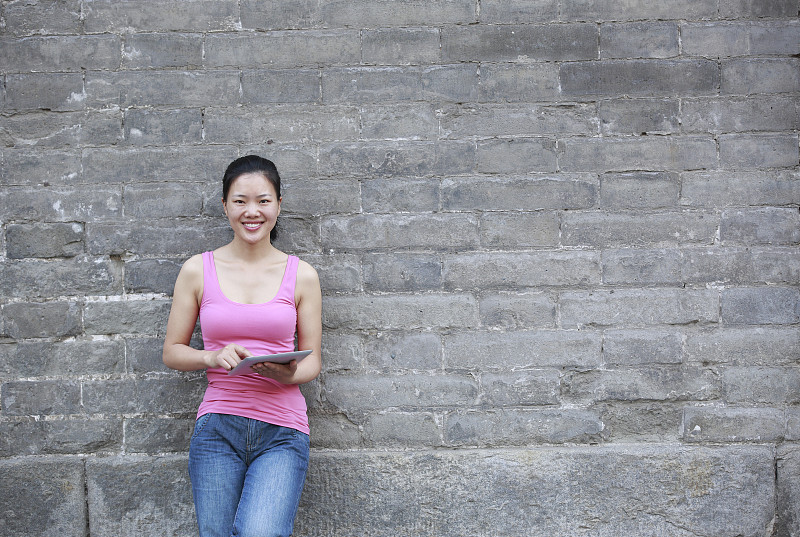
(283,373)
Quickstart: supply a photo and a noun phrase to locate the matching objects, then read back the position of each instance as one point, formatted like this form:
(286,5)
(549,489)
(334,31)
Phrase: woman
(249,451)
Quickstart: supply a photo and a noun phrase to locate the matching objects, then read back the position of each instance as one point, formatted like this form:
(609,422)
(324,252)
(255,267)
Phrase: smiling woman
(251,299)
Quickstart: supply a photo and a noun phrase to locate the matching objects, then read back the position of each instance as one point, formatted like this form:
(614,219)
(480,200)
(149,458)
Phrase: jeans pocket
(200,424)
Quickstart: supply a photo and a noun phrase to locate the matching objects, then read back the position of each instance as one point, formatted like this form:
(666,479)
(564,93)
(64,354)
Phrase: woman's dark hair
(252,164)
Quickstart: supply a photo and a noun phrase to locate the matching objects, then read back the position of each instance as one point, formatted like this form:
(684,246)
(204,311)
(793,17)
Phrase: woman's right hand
(227,357)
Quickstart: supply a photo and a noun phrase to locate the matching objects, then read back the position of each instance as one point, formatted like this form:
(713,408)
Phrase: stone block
(776,265)
(638,307)
(58,92)
(524,155)
(163,128)
(281,50)
(627,40)
(410,121)
(174,395)
(642,347)
(521,388)
(403,351)
(393,159)
(170,88)
(400,312)
(160,50)
(517,310)
(36,278)
(41,398)
(402,429)
(620,154)
(641,422)
(519,12)
(194,15)
(71,357)
(788,490)
(459,121)
(174,200)
(701,490)
(717,265)
(750,76)
(400,46)
(157,237)
(158,435)
(520,230)
(737,188)
(43,497)
(441,231)
(519,83)
(44,130)
(641,78)
(741,114)
(772,225)
(649,230)
(725,39)
(342,352)
(515,270)
(399,195)
(402,272)
(531,349)
(609,10)
(44,17)
(726,425)
(323,196)
(165,510)
(25,320)
(151,275)
(34,170)
(143,355)
(529,42)
(532,192)
(300,86)
(639,116)
(751,9)
(642,267)
(61,437)
(753,151)
(337,272)
(147,317)
(761,305)
(60,54)
(44,240)
(756,385)
(744,345)
(73,204)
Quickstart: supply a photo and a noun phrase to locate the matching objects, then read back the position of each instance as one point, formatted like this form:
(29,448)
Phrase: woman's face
(252,207)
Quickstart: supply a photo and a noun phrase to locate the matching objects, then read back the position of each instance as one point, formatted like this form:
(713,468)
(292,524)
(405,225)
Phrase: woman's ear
(224,209)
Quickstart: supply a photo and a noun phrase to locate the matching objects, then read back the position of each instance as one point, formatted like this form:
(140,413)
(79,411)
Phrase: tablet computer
(243,367)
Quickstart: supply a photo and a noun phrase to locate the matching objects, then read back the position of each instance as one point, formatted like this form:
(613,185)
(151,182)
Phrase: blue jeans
(246,475)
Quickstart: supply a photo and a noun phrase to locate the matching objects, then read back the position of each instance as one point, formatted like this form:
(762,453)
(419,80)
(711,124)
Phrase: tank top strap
(289,279)
(211,288)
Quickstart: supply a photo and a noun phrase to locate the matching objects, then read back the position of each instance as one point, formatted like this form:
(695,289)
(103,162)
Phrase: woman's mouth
(252,225)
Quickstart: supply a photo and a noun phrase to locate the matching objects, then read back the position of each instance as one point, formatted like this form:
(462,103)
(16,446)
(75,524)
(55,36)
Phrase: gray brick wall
(558,244)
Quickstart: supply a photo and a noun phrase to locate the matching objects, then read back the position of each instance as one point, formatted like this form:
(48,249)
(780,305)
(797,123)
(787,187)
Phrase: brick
(645,422)
(158,435)
(403,351)
(400,46)
(126,317)
(761,385)
(517,119)
(638,230)
(515,427)
(83,275)
(752,151)
(518,311)
(156,395)
(279,50)
(609,10)
(24,167)
(162,88)
(502,270)
(519,154)
(151,275)
(399,391)
(642,347)
(771,225)
(62,53)
(725,39)
(163,127)
(439,231)
(660,383)
(413,121)
(640,153)
(399,195)
(296,123)
(761,305)
(337,272)
(43,497)
(71,204)
(298,235)
(42,129)
(737,188)
(147,165)
(313,197)
(157,238)
(519,82)
(341,351)
(166,510)
(716,264)
(521,388)
(334,432)
(748,76)
(776,265)
(715,491)
(639,40)
(638,307)
(639,116)
(151,15)
(57,92)
(44,397)
(740,114)
(402,272)
(639,78)
(727,425)
(792,424)
(520,230)
(503,351)
(144,354)
(43,17)
(63,437)
(519,11)
(755,8)
(642,266)
(532,192)
(159,50)
(405,312)
(273,14)
(408,429)
(639,190)
(71,357)
(149,201)
(25,320)
(44,240)
(788,476)
(502,43)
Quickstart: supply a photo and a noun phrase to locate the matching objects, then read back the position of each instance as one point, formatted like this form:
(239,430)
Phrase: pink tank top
(266,328)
